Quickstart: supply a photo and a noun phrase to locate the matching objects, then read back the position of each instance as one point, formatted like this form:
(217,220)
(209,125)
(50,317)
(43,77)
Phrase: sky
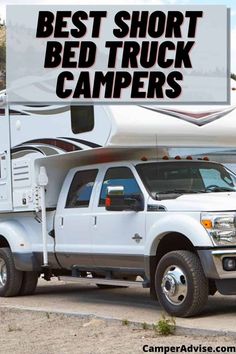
(229,3)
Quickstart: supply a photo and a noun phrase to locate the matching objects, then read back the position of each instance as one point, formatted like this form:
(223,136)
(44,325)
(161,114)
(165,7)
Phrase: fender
(16,235)
(19,241)
(187,225)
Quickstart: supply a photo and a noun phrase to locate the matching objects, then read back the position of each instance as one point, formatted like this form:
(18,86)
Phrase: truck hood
(219,201)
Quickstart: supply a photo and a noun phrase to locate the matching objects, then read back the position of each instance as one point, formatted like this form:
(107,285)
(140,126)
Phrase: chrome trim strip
(219,252)
(218,256)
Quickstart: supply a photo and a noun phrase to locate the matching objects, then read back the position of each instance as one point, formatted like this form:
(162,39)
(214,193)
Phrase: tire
(180,283)
(29,283)
(10,277)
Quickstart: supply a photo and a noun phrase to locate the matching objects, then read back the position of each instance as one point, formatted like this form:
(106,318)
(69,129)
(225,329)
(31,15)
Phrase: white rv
(174,218)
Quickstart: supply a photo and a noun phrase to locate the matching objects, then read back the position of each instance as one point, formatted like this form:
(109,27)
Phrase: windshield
(165,179)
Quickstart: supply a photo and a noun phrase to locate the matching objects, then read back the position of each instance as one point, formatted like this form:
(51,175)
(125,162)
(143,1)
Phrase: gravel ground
(46,333)
(134,304)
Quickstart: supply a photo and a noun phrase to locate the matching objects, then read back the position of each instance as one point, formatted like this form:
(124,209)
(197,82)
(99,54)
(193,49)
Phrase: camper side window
(81,189)
(82,119)
(3,166)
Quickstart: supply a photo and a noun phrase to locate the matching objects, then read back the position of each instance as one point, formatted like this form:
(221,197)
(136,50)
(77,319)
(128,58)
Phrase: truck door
(73,217)
(5,162)
(118,236)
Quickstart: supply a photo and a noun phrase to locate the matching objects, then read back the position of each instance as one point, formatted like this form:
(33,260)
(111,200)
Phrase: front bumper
(212,263)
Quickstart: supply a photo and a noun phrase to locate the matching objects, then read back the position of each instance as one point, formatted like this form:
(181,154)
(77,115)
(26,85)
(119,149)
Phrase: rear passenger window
(81,189)
(119,176)
(82,119)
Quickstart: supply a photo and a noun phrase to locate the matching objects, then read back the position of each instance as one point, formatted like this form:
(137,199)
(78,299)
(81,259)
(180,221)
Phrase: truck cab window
(81,189)
(215,177)
(119,176)
(163,180)
(82,119)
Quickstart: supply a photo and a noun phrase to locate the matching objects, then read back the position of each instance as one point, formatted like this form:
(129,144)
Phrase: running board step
(114,282)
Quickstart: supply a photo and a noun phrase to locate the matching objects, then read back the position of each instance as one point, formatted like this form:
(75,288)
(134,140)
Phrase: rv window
(81,189)
(82,119)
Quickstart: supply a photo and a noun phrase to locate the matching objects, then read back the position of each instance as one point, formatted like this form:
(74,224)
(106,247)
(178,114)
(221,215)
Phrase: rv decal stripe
(61,144)
(47,112)
(191,114)
(199,119)
(24,148)
(36,106)
(82,141)
(14,112)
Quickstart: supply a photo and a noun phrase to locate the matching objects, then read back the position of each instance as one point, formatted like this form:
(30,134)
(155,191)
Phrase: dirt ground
(133,304)
(46,333)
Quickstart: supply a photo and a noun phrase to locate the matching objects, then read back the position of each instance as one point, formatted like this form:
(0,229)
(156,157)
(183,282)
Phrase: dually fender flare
(16,235)
(186,225)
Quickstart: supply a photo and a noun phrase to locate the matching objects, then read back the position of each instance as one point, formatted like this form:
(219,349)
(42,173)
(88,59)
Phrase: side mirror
(117,201)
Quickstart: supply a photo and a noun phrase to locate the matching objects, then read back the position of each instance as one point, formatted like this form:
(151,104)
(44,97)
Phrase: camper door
(5,162)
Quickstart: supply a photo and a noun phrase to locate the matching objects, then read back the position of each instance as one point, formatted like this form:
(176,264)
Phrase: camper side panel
(5,162)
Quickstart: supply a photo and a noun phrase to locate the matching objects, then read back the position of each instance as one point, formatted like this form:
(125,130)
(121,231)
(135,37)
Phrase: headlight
(221,227)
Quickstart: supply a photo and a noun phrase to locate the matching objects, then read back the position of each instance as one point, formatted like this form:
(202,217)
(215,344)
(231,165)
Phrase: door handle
(61,221)
(94,220)
(137,238)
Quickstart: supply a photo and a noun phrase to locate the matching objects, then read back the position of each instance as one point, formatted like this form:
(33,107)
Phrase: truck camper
(68,174)
(29,132)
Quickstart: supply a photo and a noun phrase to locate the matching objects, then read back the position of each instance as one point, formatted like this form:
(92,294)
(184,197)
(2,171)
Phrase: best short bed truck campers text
(76,53)
(120,54)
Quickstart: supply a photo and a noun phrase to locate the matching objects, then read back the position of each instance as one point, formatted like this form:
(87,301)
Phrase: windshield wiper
(179,191)
(219,189)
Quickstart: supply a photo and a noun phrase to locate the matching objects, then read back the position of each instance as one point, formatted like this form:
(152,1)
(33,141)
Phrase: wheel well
(173,242)
(170,242)
(3,242)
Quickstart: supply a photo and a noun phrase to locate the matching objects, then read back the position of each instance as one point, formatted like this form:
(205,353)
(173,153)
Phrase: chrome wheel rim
(174,285)
(3,273)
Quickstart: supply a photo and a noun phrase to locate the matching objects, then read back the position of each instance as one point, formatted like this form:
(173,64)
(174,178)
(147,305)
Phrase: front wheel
(10,277)
(180,283)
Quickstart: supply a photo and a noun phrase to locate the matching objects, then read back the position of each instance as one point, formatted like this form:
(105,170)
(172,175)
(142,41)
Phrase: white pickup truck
(167,224)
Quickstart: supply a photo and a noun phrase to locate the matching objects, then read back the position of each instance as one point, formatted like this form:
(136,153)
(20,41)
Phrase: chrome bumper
(218,256)
(212,263)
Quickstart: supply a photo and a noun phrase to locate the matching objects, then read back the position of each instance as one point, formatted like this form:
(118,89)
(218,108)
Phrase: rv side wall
(5,161)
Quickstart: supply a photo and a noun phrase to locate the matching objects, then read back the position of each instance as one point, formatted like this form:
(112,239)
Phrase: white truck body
(93,243)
